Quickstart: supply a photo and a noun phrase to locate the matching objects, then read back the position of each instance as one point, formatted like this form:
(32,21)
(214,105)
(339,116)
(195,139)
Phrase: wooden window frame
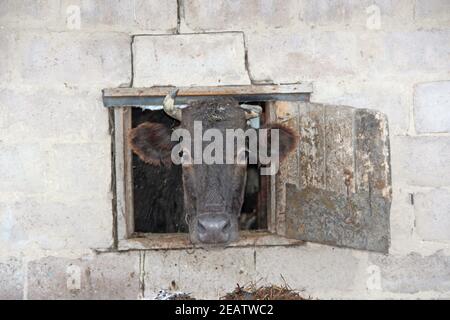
(121,100)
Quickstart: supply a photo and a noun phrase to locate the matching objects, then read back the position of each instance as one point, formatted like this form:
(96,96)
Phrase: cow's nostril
(201,227)
(227,226)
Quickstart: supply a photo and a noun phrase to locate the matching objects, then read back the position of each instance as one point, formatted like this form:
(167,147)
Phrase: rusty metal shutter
(336,188)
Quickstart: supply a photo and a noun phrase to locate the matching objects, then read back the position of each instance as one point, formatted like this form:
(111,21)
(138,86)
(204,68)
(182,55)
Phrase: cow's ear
(288,139)
(151,142)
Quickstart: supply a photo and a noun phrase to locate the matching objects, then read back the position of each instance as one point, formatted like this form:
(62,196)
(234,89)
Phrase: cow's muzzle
(214,228)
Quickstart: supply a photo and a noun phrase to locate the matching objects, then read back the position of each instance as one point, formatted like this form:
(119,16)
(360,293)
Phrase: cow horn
(251,111)
(169,105)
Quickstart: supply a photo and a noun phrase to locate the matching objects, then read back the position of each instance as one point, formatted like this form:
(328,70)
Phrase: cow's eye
(241,158)
(186,158)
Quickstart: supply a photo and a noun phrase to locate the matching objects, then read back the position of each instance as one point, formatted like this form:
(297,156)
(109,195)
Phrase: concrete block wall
(56,221)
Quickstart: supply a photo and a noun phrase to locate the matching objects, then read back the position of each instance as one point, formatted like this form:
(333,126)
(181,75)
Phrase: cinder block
(56,225)
(6,69)
(23,168)
(283,57)
(402,216)
(436,12)
(184,60)
(305,267)
(134,16)
(326,12)
(413,273)
(30,14)
(104,276)
(262,15)
(421,161)
(204,274)
(65,59)
(53,116)
(432,107)
(367,14)
(391,98)
(432,211)
(80,170)
(204,15)
(11,279)
(90,15)
(415,52)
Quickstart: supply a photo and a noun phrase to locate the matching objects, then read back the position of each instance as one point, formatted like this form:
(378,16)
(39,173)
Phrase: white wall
(55,154)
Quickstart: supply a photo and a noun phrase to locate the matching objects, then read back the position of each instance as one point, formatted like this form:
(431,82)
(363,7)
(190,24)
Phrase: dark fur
(151,142)
(213,188)
(157,192)
(288,139)
(207,188)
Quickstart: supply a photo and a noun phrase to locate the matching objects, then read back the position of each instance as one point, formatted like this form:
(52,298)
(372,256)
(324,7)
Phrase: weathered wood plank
(327,217)
(372,152)
(123,183)
(272,199)
(312,145)
(126,97)
(344,194)
(339,151)
(287,113)
(166,241)
(209,91)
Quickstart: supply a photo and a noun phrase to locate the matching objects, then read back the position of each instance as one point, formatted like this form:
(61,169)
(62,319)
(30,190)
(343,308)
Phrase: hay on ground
(273,292)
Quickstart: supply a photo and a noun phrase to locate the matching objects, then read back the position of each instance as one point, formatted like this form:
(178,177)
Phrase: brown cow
(213,193)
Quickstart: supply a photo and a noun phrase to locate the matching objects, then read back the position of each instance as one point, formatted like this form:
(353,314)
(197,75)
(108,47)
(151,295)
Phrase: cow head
(213,191)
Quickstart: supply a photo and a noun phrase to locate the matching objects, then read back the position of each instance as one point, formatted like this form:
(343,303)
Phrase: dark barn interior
(158,191)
